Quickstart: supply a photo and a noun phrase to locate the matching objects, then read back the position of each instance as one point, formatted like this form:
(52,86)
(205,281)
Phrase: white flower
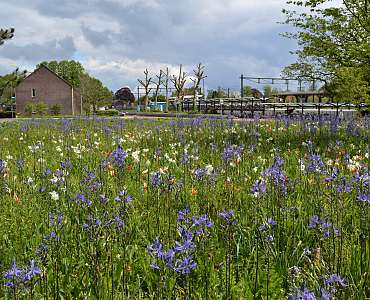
(209,169)
(135,156)
(54,180)
(41,160)
(255,169)
(9,157)
(5,138)
(29,180)
(145,150)
(58,149)
(54,195)
(145,171)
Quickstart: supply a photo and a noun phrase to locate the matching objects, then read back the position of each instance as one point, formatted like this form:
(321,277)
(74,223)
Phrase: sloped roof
(55,74)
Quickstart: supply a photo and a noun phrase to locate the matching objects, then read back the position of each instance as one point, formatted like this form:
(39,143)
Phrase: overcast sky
(116,40)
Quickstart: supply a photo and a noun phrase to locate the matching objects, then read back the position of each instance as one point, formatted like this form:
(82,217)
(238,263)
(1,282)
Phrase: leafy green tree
(216,93)
(29,108)
(160,98)
(70,71)
(11,80)
(267,91)
(247,92)
(40,108)
(6,34)
(334,42)
(56,109)
(94,94)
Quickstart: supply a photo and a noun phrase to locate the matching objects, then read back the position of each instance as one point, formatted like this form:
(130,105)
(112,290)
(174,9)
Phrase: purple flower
(269,238)
(185,265)
(315,221)
(271,222)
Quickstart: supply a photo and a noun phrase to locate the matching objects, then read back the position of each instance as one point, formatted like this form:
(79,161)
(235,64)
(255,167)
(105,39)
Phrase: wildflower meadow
(200,208)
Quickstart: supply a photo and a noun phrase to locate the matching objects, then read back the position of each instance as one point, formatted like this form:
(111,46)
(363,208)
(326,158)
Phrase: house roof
(55,74)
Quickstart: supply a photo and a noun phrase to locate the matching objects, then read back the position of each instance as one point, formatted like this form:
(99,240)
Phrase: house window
(33,92)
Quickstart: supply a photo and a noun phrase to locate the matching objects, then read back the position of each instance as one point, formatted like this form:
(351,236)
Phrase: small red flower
(107,153)
(129,168)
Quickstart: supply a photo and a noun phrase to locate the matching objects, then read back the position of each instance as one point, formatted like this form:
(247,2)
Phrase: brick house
(43,85)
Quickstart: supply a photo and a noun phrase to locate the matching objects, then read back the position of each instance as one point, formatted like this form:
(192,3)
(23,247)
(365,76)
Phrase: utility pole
(11,98)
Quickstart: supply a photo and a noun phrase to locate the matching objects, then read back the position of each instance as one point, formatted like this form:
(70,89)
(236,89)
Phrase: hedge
(108,113)
(7,114)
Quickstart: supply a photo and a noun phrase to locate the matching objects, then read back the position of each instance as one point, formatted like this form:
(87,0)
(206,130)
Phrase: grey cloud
(59,8)
(62,49)
(96,39)
(227,40)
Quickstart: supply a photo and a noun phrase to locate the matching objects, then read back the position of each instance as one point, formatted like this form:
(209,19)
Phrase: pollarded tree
(199,76)
(6,34)
(165,83)
(146,86)
(179,83)
(157,88)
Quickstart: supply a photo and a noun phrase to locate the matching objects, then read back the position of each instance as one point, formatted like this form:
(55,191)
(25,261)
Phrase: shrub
(7,114)
(40,108)
(30,108)
(107,113)
(56,109)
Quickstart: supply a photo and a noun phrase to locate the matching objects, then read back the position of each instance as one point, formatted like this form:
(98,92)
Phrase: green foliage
(352,87)
(30,108)
(160,98)
(107,113)
(11,80)
(94,95)
(40,108)
(56,109)
(7,114)
(247,91)
(267,91)
(334,41)
(70,71)
(97,243)
(216,93)
(6,34)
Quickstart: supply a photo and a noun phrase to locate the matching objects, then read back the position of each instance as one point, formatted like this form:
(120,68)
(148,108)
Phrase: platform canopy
(301,95)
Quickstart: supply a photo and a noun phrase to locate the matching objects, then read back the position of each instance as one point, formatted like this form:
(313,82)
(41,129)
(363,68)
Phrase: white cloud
(119,39)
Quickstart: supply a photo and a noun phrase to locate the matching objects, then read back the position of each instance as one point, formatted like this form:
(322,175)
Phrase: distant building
(43,85)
